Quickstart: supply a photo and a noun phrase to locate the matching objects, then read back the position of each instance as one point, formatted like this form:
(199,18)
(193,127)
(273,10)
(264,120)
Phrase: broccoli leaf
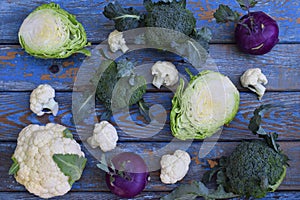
(247,4)
(14,167)
(124,18)
(202,36)
(71,165)
(256,128)
(144,110)
(68,134)
(106,115)
(195,189)
(125,68)
(224,14)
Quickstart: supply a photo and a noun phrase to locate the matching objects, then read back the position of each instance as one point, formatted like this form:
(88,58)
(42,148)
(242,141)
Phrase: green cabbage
(208,102)
(51,32)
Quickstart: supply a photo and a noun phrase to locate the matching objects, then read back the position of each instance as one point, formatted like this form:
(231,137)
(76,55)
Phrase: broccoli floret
(254,169)
(172,15)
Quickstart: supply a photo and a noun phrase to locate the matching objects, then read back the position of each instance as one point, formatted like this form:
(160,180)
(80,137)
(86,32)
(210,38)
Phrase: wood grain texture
(16,114)
(143,196)
(21,72)
(92,179)
(89,13)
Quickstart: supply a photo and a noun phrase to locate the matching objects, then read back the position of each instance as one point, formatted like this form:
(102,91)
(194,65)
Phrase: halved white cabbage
(51,32)
(209,101)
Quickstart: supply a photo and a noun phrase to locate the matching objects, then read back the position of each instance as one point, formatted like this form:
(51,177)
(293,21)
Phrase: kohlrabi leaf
(14,167)
(68,134)
(256,128)
(197,189)
(246,4)
(71,165)
(224,14)
(124,18)
(103,165)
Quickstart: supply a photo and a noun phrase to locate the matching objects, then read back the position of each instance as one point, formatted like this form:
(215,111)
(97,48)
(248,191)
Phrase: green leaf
(124,18)
(68,134)
(224,14)
(197,189)
(247,4)
(256,128)
(144,110)
(71,165)
(103,164)
(220,193)
(14,167)
(202,36)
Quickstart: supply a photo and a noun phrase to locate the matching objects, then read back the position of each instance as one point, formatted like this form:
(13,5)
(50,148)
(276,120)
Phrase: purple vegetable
(129,175)
(256,33)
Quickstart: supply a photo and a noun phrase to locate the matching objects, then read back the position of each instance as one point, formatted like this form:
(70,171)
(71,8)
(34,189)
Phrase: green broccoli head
(254,169)
(119,87)
(172,15)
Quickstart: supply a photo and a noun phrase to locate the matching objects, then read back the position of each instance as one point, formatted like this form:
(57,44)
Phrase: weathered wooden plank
(89,13)
(21,72)
(93,179)
(144,195)
(99,195)
(15,115)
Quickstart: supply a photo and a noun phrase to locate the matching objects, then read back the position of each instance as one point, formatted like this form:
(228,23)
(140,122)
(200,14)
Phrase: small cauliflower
(104,136)
(165,73)
(42,100)
(117,42)
(47,160)
(174,167)
(254,80)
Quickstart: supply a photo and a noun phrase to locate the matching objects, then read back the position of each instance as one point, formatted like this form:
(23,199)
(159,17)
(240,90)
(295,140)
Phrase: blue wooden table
(21,73)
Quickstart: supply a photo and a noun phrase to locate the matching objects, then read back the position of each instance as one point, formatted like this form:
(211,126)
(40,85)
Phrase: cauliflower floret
(165,73)
(38,172)
(105,136)
(117,42)
(254,80)
(174,167)
(42,98)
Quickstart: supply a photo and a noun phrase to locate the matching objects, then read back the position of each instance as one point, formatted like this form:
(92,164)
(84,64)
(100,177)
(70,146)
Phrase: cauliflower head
(254,80)
(37,149)
(43,98)
(165,73)
(105,136)
(174,167)
(117,42)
